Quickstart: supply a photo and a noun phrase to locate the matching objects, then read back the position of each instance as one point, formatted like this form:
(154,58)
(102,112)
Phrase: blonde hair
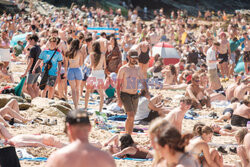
(241,134)
(154,130)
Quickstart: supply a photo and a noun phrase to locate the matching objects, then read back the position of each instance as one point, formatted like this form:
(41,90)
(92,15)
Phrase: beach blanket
(220,104)
(118,118)
(133,159)
(24,155)
(191,115)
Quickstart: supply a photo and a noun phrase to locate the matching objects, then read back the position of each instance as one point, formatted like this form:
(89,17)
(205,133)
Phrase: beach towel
(19,87)
(24,155)
(132,159)
(8,157)
(220,104)
(118,118)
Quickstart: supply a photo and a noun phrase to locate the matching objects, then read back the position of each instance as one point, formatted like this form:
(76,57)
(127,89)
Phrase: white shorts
(5,55)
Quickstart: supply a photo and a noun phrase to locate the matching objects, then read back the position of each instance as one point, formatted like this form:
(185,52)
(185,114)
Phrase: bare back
(80,155)
(243,111)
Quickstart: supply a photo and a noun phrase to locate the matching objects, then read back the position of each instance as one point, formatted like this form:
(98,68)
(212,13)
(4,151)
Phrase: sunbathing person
(242,113)
(244,151)
(128,148)
(186,75)
(230,89)
(228,112)
(199,148)
(150,108)
(226,130)
(214,96)
(11,112)
(176,116)
(4,76)
(170,144)
(197,93)
(242,89)
(27,140)
(170,75)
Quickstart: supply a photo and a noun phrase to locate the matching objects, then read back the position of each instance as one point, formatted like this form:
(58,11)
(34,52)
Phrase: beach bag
(47,67)
(8,157)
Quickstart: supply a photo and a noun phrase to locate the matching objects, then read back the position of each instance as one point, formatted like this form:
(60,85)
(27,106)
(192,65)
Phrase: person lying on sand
(11,112)
(150,108)
(226,130)
(228,112)
(242,113)
(28,140)
(242,89)
(128,148)
(198,147)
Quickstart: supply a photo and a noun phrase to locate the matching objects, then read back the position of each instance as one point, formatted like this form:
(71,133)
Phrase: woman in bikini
(199,148)
(126,45)
(97,77)
(74,58)
(170,144)
(128,148)
(144,49)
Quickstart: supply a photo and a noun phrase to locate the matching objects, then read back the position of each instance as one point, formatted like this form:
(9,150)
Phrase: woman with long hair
(74,58)
(113,57)
(199,148)
(170,145)
(97,77)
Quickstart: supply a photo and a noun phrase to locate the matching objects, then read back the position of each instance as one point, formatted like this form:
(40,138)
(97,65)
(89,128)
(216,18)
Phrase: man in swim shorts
(129,76)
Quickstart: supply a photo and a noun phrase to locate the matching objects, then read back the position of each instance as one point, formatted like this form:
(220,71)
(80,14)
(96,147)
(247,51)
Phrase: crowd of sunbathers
(121,64)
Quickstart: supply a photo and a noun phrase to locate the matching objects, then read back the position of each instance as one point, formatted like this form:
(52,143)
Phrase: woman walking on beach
(97,76)
(74,58)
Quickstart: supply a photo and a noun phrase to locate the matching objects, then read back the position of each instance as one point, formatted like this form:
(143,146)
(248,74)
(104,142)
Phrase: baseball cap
(133,53)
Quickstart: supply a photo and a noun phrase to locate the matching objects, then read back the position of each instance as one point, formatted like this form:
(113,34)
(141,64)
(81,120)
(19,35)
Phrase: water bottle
(248,125)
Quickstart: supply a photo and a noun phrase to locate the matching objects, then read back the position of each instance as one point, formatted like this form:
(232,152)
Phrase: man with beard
(128,78)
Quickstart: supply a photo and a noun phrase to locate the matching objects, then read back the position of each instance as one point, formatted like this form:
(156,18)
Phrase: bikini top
(139,154)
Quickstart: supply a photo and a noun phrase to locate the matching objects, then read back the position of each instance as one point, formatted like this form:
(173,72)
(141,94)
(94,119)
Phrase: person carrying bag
(47,67)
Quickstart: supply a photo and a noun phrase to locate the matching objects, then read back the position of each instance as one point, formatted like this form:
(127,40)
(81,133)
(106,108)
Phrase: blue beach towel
(118,118)
(38,159)
(132,159)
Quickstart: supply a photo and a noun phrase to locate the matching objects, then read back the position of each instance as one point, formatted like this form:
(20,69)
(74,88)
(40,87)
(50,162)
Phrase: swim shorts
(129,101)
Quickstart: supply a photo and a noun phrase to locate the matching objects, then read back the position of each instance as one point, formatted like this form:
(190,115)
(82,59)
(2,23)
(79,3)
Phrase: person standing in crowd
(97,77)
(126,45)
(35,51)
(113,57)
(224,56)
(214,80)
(74,57)
(55,69)
(144,48)
(246,57)
(127,85)
(80,153)
(5,56)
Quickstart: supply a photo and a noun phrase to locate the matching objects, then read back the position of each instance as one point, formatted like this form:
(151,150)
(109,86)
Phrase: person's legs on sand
(101,93)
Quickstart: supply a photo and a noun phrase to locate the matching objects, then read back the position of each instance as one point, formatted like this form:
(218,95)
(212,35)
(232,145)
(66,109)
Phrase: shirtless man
(176,116)
(199,96)
(143,49)
(242,113)
(127,85)
(103,42)
(246,56)
(242,89)
(4,76)
(79,153)
(224,55)
(231,88)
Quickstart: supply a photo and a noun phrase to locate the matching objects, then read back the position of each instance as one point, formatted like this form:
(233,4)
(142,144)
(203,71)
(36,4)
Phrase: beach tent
(20,37)
(240,66)
(167,52)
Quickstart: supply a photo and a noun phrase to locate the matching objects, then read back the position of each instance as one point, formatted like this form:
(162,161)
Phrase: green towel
(19,87)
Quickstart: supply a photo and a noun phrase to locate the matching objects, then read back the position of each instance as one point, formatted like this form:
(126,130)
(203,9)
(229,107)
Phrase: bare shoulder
(59,158)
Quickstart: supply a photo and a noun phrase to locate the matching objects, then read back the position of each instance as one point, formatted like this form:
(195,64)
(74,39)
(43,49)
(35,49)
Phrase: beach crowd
(95,51)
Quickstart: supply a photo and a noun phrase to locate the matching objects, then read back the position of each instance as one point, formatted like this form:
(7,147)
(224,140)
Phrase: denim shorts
(75,74)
